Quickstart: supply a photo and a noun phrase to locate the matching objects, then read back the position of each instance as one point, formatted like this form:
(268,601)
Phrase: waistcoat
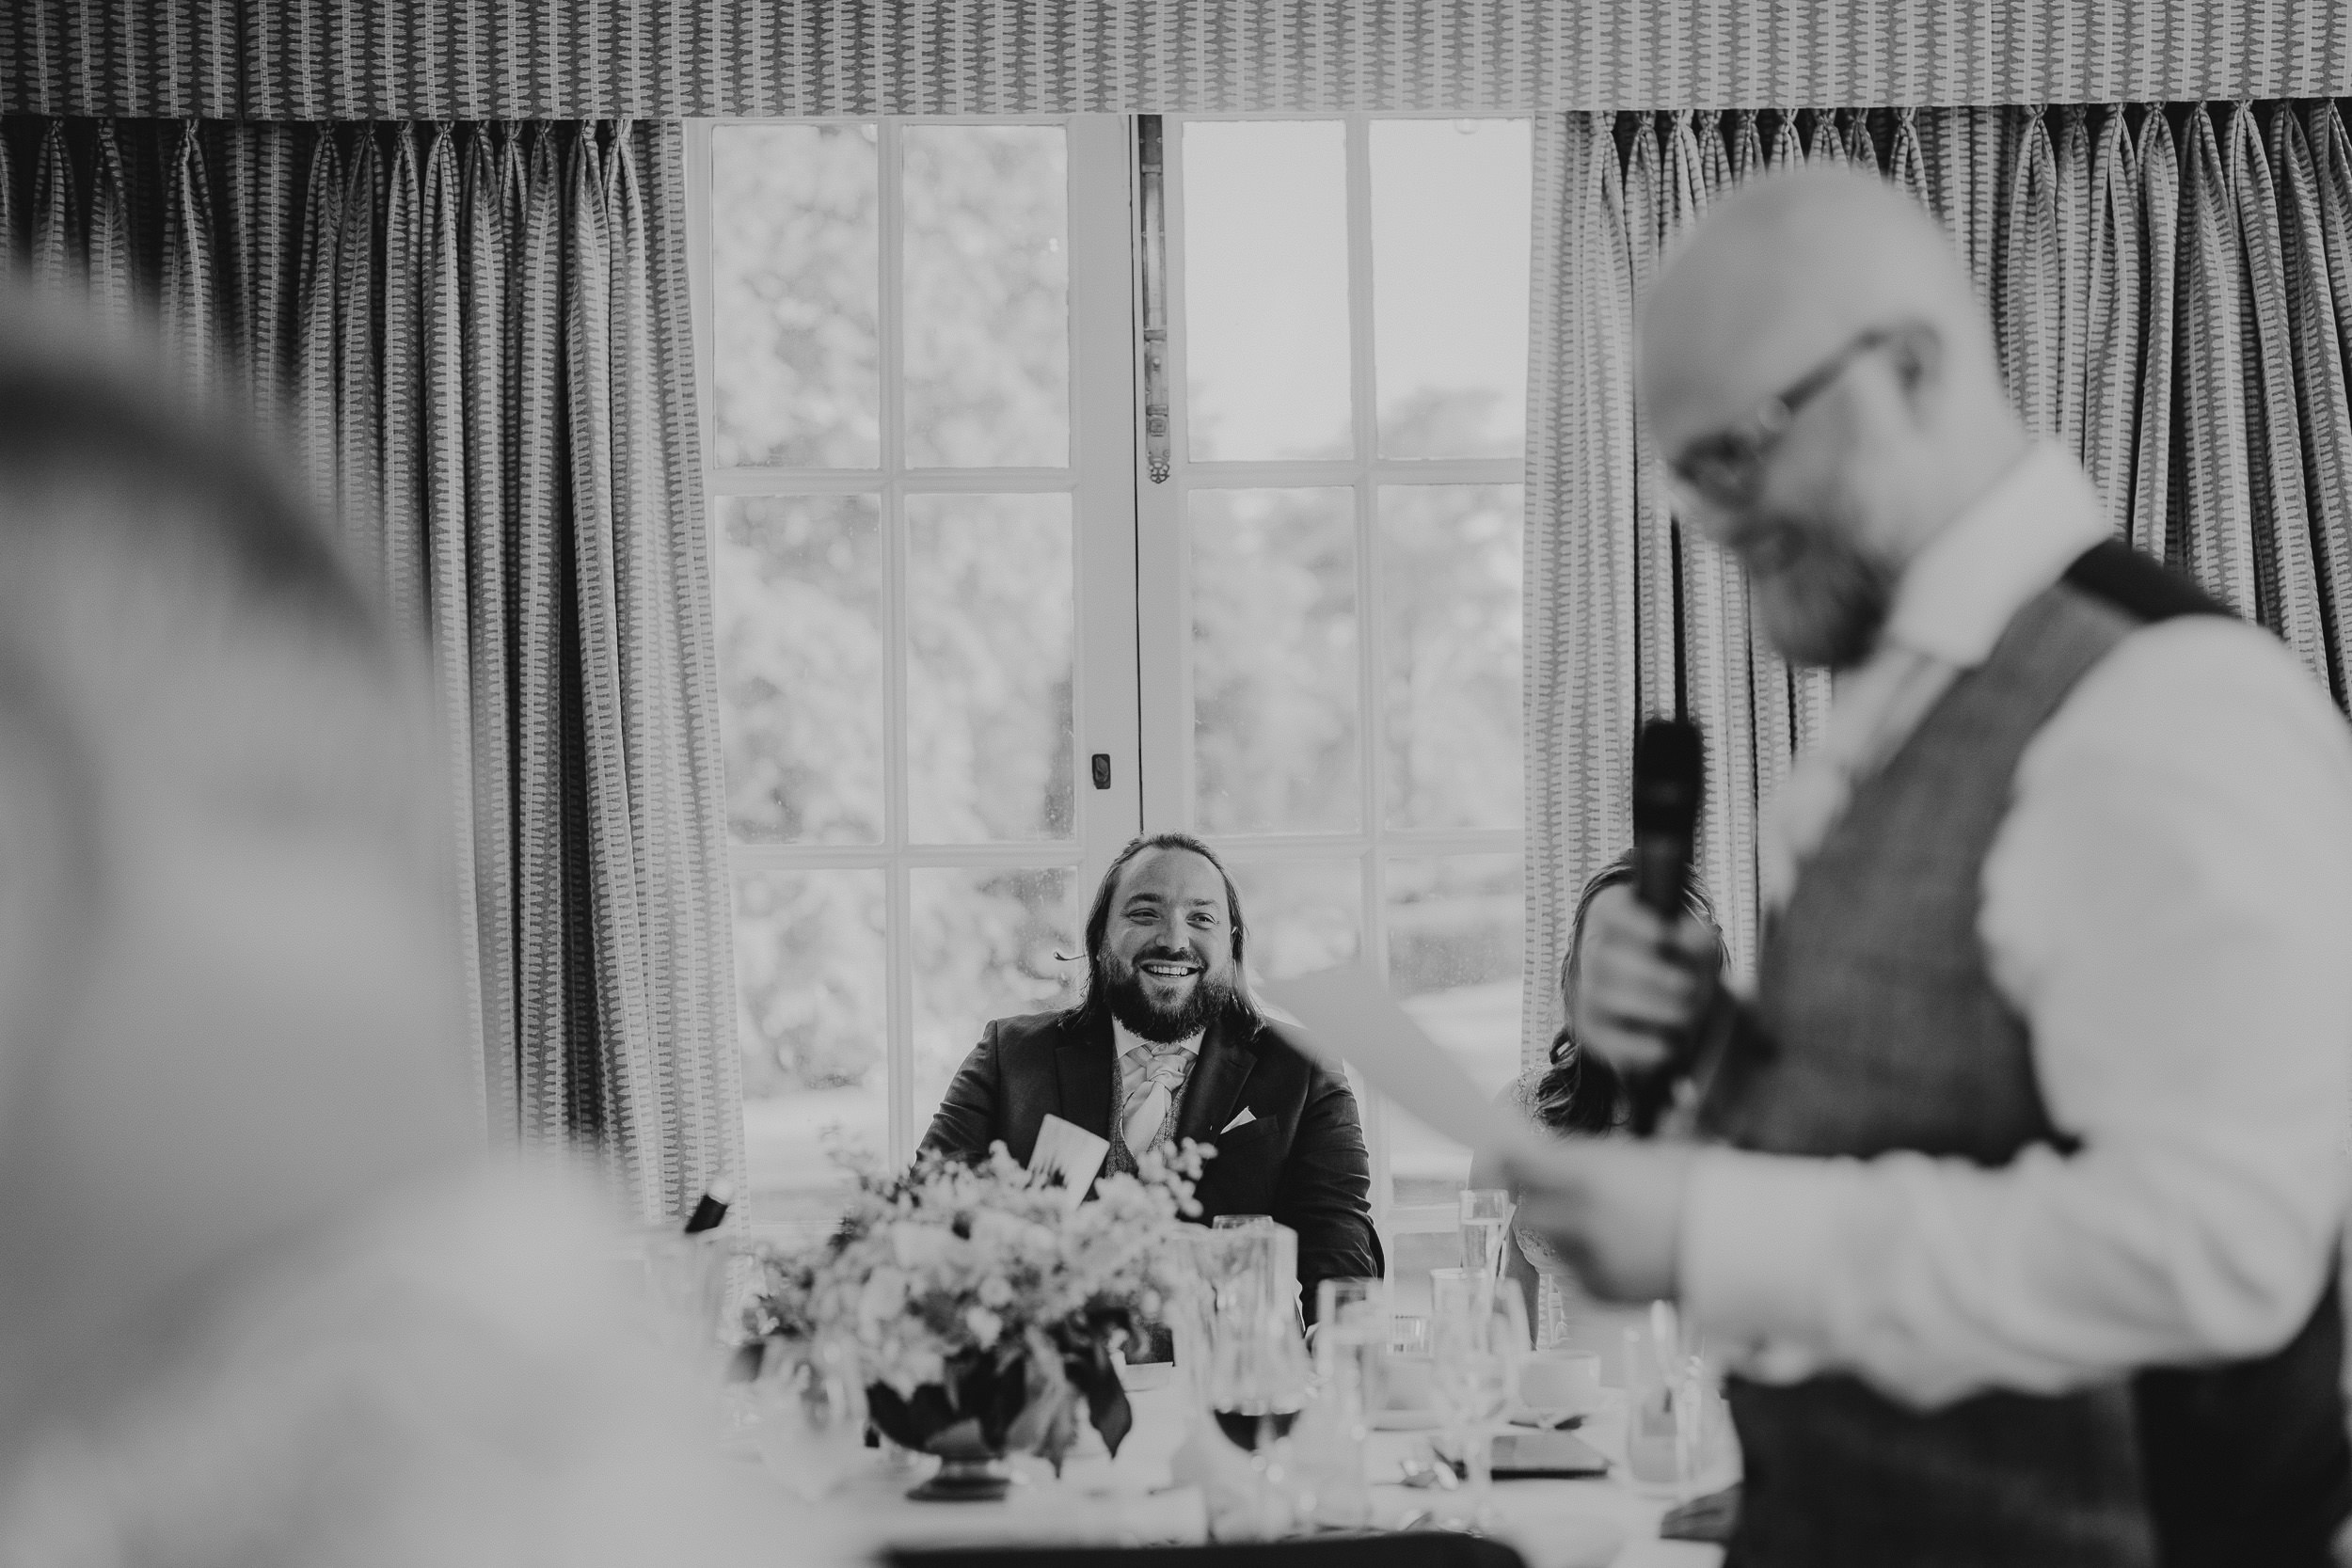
(1881,1030)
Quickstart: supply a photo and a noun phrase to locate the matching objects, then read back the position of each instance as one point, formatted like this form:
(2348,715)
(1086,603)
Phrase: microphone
(1669,775)
(712,1208)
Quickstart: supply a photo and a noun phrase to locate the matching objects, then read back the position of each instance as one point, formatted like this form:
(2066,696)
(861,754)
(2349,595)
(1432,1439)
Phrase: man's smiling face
(1168,953)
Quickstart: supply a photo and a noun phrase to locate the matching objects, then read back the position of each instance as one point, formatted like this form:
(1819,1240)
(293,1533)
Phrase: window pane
(1455,933)
(794,258)
(1450,567)
(1265,289)
(810,990)
(986,943)
(987,273)
(989,608)
(1448,261)
(1274,675)
(801,667)
(1302,915)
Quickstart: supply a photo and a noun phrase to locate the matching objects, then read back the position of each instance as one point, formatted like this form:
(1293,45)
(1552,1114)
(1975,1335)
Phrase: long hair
(1579,1092)
(1095,1005)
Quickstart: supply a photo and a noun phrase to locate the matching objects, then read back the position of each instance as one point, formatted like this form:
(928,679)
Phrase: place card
(1068,1151)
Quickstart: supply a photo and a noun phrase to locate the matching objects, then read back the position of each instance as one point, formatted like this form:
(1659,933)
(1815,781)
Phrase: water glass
(1486,1219)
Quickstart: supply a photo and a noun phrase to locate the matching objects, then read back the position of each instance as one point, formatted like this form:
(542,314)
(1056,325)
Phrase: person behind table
(2026,1232)
(262,1301)
(1167,1045)
(1575,1092)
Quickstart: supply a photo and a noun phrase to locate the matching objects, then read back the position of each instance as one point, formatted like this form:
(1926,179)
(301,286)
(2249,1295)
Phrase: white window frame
(1165,621)
(1133,696)
(1100,482)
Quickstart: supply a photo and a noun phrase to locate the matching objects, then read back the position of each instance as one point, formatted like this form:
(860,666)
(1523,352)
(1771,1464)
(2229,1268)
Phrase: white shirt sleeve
(2168,905)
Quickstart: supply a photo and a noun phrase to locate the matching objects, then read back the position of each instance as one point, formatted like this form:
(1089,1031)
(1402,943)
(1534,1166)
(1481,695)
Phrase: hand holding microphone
(1646,970)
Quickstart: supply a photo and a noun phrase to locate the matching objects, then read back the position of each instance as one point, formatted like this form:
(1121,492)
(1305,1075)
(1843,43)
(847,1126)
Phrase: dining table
(1138,1498)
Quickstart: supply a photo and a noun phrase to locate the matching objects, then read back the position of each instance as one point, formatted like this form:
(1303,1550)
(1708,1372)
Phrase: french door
(1092,476)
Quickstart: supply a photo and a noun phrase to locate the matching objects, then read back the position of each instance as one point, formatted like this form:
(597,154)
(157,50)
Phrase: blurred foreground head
(258,1305)
(1822,381)
(225,1014)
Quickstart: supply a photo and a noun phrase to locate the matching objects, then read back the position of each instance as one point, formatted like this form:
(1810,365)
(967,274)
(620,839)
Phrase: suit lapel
(1083,1062)
(1217,1078)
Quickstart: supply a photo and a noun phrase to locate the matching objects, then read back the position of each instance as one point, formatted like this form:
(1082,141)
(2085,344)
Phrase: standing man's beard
(1824,601)
(1147,1020)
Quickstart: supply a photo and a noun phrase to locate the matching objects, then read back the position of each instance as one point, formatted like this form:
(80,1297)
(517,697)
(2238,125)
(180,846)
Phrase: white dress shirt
(2168,905)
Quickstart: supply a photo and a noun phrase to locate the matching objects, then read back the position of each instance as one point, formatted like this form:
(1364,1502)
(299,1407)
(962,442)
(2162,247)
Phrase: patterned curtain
(667,59)
(2172,294)
(475,339)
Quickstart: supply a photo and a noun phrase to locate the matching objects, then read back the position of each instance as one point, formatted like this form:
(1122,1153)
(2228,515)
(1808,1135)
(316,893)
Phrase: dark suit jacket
(1302,1160)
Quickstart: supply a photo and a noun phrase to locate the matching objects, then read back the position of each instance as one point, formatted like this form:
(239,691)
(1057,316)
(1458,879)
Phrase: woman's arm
(1487,1172)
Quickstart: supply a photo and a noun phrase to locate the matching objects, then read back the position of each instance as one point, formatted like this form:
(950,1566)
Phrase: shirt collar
(1129,1042)
(1961,592)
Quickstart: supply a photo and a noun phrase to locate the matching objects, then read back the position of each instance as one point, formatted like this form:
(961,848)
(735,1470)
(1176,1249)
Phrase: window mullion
(1363,396)
(898,1057)
(1163,556)
(1102,459)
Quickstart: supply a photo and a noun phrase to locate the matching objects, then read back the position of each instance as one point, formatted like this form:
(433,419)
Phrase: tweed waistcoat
(1888,1034)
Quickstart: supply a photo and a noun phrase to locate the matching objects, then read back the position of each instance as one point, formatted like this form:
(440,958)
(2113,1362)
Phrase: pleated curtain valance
(670,59)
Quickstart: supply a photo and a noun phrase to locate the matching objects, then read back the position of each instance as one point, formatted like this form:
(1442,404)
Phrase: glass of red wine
(1257,1372)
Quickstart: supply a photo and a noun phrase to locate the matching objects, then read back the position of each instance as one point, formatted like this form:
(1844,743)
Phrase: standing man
(1167,1045)
(2027,1233)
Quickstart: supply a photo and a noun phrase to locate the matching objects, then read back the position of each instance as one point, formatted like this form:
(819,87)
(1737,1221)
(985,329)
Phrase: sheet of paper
(1348,1013)
(1069,1150)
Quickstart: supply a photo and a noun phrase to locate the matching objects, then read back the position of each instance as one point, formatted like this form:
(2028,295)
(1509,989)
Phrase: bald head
(1837,284)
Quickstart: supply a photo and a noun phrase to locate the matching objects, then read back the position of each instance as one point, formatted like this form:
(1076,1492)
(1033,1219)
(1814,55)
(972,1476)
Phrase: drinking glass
(1258,1376)
(1663,1391)
(811,1413)
(1485,1217)
(1350,1345)
(1476,1335)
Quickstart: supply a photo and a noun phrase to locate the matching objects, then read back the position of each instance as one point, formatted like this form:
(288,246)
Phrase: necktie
(1147,1101)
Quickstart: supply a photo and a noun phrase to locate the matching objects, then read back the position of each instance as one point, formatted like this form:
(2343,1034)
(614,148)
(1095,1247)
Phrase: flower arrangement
(974,1293)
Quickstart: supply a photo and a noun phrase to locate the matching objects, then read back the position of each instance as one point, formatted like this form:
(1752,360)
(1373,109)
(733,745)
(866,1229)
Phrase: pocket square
(1247,1117)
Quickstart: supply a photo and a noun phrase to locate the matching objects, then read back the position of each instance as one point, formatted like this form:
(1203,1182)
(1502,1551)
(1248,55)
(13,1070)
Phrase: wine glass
(1258,1373)
(1477,1334)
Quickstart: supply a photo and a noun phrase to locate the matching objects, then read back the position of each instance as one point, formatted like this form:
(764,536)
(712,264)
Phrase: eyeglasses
(1727,466)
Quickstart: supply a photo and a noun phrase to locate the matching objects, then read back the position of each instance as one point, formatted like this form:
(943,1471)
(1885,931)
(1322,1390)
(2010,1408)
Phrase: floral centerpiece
(980,1309)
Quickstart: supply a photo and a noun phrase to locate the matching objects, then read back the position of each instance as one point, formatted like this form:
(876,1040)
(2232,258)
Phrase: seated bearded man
(1167,1045)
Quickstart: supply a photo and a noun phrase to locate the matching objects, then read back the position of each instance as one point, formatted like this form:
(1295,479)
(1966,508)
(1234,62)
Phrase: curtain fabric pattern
(582,59)
(2172,295)
(476,340)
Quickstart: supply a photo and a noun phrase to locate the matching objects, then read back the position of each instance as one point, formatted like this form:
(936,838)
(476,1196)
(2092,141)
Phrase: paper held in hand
(1346,1012)
(1069,1151)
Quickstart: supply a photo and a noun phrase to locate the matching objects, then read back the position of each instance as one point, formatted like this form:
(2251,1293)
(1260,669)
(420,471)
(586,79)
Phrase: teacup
(1562,1380)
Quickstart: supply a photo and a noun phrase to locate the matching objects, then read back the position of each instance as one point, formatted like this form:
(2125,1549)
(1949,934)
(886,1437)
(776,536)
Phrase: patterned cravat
(1151,1090)
(1876,709)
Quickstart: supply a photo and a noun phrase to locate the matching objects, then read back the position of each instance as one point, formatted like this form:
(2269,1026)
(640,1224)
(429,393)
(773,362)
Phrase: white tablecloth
(1130,1500)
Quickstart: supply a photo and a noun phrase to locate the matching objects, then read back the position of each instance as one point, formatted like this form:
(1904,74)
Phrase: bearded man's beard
(1146,1019)
(1825,601)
